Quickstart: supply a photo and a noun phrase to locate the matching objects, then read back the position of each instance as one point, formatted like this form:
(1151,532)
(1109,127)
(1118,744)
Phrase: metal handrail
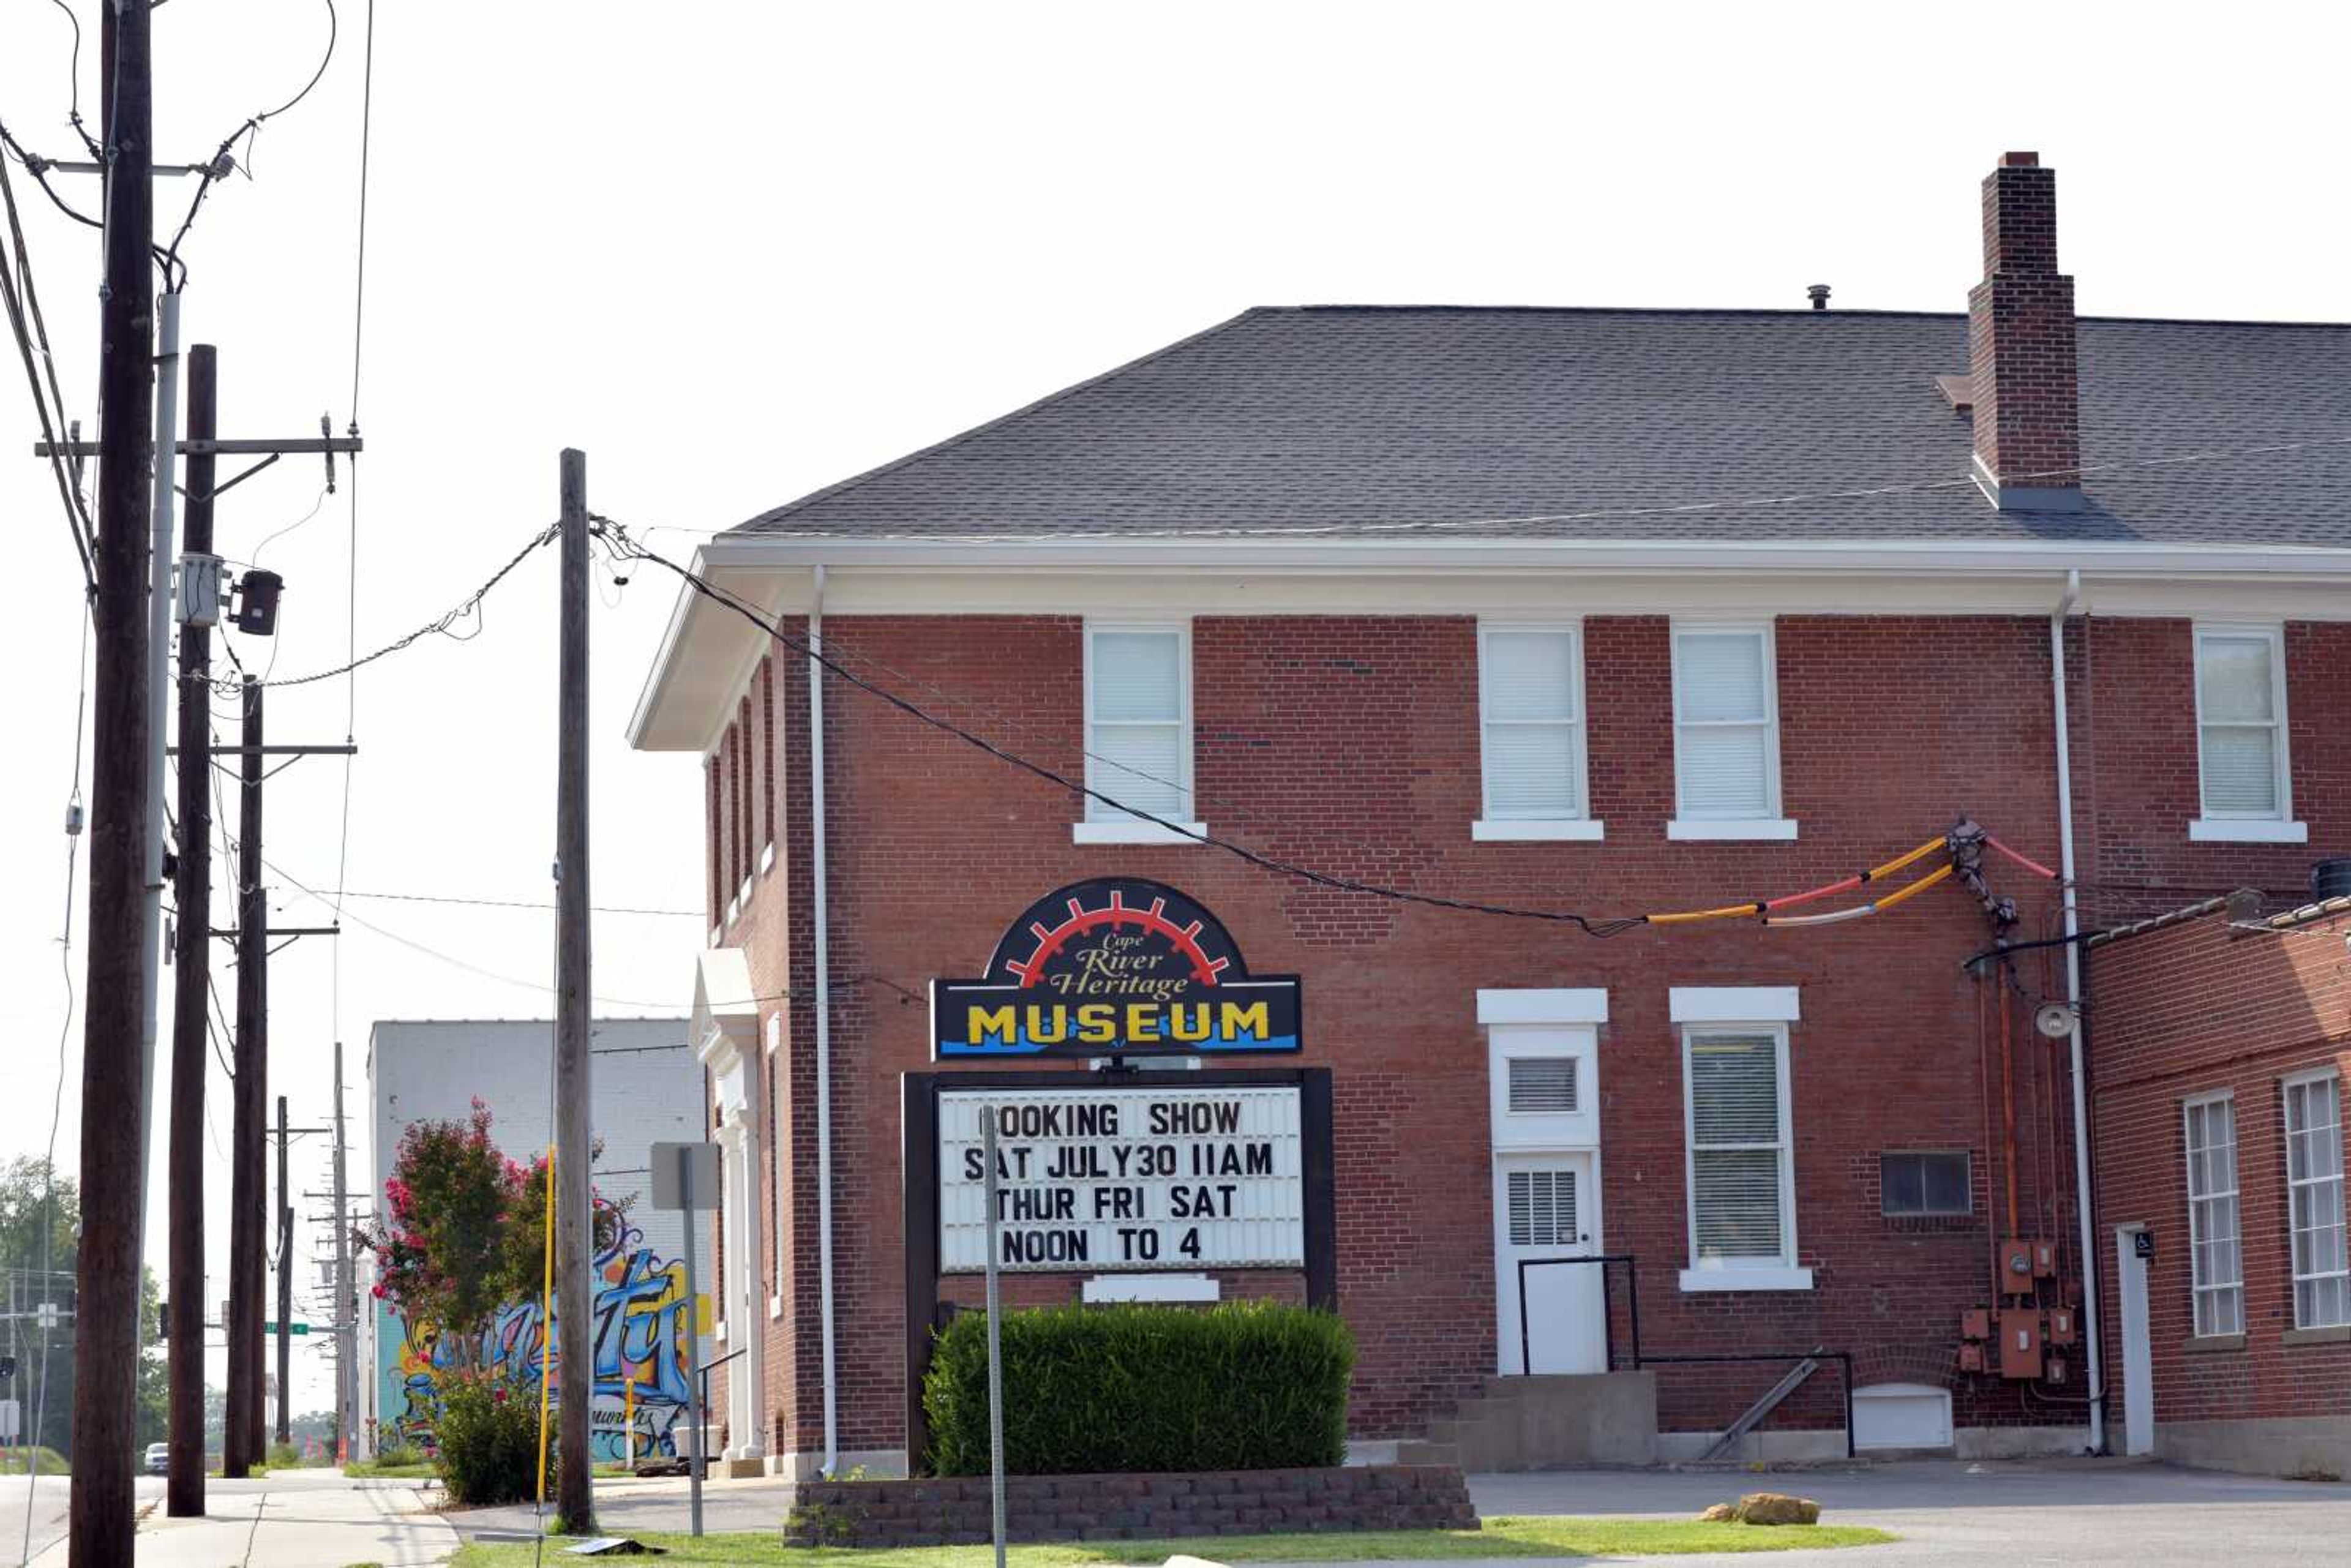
(1633,1314)
(1608,1325)
(1844,1358)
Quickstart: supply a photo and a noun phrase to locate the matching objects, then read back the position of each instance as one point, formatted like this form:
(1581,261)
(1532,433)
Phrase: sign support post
(994,1342)
(682,1173)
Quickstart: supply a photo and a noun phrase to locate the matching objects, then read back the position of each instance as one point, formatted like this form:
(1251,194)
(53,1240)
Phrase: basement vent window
(1543,1085)
(1542,1209)
(1914,1185)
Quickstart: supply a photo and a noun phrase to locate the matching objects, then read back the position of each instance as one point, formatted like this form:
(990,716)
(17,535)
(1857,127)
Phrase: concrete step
(1409,1452)
(1559,1422)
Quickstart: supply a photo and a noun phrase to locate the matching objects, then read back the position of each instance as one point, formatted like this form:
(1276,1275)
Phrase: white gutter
(2066,607)
(824,1027)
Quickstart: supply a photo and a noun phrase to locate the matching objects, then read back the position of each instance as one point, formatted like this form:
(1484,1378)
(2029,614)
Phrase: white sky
(739,251)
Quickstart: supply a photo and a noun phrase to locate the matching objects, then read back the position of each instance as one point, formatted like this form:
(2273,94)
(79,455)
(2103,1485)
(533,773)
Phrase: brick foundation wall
(959,1511)
(2184,1012)
(1352,744)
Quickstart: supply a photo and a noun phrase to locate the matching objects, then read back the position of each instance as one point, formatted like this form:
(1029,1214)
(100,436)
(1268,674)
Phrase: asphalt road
(50,1497)
(2068,1511)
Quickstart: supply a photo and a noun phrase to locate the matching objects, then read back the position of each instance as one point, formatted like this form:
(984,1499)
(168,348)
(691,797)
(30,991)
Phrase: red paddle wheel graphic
(1117,916)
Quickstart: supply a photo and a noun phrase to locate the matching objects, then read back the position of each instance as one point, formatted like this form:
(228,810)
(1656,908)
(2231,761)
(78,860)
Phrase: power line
(1600,926)
(351,554)
(73,83)
(471,603)
(509,902)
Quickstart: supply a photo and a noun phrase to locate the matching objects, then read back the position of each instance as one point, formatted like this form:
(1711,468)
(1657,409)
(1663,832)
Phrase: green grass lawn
(414,1469)
(13,1461)
(1501,1537)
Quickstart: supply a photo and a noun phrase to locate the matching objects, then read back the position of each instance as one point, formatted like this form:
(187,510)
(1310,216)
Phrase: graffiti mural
(644,1344)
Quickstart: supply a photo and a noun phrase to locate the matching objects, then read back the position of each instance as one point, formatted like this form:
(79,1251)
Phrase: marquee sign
(1114,966)
(1125,1178)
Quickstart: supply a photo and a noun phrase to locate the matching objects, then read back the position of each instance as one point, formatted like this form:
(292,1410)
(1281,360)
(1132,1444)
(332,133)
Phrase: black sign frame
(919,1166)
(1196,998)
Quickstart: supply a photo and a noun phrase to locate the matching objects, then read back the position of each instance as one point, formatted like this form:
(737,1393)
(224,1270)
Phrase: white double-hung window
(1138,696)
(2241,738)
(2215,1251)
(1726,732)
(1530,733)
(1740,1142)
(2314,1181)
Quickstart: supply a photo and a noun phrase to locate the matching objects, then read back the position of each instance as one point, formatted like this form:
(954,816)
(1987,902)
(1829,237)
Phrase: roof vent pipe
(1819,294)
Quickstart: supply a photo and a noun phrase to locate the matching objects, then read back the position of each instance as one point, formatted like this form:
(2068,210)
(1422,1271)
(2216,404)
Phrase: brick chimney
(2020,347)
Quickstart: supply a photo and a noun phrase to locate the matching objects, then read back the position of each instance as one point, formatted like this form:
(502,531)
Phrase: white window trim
(1771,825)
(2235,1194)
(2295,1275)
(1091,829)
(1579,827)
(2224,828)
(1583,1005)
(1713,1274)
(1732,1004)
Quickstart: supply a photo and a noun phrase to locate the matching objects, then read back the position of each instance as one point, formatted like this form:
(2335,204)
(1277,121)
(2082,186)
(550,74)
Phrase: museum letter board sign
(1125,1178)
(1113,966)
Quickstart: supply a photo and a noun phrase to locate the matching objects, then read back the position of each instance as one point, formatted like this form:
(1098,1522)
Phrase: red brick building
(1336,620)
(2221,1039)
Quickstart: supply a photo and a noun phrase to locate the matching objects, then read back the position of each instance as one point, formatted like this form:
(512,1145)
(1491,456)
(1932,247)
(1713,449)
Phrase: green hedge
(1245,1385)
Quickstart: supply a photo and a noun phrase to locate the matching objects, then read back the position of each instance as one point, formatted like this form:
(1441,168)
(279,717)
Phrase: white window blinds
(1138,722)
(1739,1160)
(1531,697)
(2216,1260)
(1542,1209)
(1726,741)
(1543,1085)
(2241,713)
(2313,1178)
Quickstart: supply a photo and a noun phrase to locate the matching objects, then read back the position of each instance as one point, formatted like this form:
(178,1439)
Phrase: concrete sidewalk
(300,1518)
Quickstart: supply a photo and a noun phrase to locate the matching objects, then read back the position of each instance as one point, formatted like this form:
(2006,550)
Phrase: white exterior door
(1546,1208)
(1545,1113)
(2138,1356)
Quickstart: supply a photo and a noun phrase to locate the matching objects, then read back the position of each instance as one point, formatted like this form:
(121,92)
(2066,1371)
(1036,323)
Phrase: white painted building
(647,1086)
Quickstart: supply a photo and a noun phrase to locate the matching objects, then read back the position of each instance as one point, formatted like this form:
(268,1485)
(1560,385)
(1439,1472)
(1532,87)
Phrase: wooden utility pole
(113,1165)
(241,1439)
(575,1503)
(192,961)
(285,1283)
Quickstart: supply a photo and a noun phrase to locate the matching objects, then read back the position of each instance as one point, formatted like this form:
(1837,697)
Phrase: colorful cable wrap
(1762,910)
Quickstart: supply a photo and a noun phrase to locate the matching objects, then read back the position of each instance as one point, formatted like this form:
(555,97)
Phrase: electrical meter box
(2016,1266)
(2020,1344)
(2063,1325)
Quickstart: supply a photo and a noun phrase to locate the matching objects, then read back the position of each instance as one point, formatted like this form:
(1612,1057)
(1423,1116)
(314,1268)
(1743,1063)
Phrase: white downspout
(2066,607)
(824,1026)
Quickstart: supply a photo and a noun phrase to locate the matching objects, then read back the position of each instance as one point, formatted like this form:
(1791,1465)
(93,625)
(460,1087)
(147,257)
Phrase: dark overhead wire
(465,606)
(1589,925)
(73,84)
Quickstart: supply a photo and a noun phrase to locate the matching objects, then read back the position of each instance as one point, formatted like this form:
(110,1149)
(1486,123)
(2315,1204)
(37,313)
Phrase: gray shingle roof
(1437,421)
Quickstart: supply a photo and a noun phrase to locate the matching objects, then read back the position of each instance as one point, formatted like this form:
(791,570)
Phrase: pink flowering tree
(463,1233)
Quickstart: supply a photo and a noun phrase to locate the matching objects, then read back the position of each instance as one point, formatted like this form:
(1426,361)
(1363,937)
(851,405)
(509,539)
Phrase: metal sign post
(995,1342)
(686,1177)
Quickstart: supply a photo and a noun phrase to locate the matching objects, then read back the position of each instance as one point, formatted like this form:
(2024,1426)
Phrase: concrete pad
(299,1518)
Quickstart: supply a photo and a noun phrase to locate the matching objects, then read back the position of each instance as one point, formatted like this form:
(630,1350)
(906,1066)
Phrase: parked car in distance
(159,1459)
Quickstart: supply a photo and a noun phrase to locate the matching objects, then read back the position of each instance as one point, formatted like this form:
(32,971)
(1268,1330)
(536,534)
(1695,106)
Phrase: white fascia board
(1579,1005)
(1732,1004)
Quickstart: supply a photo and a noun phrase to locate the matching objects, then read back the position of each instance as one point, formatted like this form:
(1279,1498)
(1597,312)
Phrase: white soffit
(1733,1004)
(724,1012)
